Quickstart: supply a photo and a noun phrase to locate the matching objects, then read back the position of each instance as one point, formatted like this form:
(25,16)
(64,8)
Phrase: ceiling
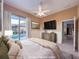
(32,5)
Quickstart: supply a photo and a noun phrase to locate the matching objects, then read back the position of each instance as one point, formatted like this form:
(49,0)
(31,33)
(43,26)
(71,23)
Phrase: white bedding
(32,50)
(35,48)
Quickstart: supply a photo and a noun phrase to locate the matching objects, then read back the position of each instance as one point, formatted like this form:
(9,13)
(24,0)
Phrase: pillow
(19,43)
(4,40)
(3,49)
(10,43)
(13,52)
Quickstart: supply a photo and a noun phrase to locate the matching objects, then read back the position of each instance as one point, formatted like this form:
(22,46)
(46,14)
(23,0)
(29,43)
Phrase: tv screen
(50,25)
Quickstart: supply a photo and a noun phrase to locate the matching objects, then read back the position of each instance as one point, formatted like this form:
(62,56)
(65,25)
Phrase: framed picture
(35,25)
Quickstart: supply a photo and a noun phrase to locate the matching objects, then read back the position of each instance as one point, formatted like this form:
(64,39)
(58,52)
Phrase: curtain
(7,20)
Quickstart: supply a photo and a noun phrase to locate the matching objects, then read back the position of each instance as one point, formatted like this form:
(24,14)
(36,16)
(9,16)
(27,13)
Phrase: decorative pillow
(19,43)
(10,43)
(13,52)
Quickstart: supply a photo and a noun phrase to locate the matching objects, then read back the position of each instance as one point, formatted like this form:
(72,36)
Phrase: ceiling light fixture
(40,11)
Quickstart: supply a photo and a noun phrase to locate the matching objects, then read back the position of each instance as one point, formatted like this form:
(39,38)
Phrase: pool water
(16,37)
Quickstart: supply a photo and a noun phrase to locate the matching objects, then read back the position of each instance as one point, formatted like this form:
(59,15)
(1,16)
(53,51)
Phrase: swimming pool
(16,37)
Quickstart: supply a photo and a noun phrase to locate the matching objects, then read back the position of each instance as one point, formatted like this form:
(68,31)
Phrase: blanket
(49,45)
(35,48)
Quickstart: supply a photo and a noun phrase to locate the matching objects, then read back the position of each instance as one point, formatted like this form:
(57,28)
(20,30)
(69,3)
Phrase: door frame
(74,39)
(2,24)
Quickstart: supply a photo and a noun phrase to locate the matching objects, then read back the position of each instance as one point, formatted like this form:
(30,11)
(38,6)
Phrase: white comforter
(33,50)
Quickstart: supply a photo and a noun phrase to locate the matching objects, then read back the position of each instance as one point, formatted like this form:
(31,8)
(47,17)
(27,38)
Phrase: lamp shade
(8,32)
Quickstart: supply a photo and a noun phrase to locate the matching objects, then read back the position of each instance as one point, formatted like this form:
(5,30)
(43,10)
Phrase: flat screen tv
(50,25)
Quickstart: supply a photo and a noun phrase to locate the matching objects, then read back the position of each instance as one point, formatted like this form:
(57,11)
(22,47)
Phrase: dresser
(49,36)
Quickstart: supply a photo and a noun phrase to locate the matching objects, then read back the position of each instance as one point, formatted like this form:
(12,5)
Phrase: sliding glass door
(23,28)
(19,27)
(15,27)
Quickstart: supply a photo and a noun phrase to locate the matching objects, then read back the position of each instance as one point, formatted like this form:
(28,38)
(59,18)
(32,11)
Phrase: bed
(34,48)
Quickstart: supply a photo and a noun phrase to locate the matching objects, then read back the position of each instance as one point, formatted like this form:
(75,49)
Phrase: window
(19,28)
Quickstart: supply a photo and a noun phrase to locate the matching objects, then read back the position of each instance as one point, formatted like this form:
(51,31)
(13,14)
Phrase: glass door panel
(15,27)
(23,27)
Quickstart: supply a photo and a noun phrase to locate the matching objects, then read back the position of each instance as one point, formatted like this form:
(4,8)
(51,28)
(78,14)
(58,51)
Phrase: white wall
(35,33)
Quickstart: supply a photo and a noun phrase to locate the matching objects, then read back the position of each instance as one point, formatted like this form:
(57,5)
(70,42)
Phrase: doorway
(68,36)
(68,32)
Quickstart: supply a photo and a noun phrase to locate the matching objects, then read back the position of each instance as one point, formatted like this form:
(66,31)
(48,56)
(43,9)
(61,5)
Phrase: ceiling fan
(40,11)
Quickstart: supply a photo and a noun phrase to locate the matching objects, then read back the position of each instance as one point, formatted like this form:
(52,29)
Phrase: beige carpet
(68,48)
